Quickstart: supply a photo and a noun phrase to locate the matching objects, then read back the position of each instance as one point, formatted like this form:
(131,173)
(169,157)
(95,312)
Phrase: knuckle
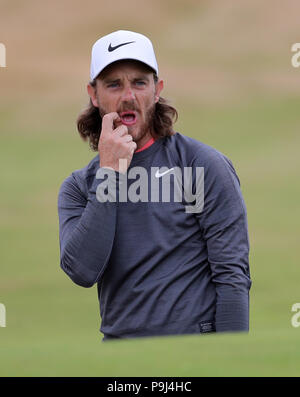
(128,138)
(121,130)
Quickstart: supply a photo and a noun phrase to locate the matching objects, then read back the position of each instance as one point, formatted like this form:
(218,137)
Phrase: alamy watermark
(295,320)
(2,315)
(161,184)
(295,58)
(2,55)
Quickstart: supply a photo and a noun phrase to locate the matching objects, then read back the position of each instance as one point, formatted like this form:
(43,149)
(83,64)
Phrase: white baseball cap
(119,45)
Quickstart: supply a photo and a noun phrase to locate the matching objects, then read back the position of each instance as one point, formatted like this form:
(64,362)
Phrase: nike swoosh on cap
(110,48)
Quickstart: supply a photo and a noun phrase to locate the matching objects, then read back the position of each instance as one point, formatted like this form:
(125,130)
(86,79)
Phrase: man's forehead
(127,65)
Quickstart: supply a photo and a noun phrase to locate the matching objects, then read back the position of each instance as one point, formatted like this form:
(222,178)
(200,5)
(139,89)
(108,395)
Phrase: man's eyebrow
(108,80)
(141,77)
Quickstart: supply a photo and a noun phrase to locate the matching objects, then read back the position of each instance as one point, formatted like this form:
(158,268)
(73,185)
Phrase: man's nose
(128,94)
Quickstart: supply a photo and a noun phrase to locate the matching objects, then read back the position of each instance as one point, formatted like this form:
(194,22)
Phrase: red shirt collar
(149,143)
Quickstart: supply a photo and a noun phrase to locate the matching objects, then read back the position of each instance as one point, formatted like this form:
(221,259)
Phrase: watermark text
(295,58)
(296,317)
(2,315)
(2,55)
(157,184)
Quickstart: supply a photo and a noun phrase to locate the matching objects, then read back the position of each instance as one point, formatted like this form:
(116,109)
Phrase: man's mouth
(129,117)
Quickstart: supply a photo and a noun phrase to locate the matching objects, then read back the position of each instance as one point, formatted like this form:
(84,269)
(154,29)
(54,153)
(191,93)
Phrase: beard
(147,125)
(145,128)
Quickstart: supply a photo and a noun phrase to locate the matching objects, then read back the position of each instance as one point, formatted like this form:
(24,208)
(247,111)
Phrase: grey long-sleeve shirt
(159,268)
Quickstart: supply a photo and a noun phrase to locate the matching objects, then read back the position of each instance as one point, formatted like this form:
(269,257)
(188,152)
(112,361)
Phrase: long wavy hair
(89,121)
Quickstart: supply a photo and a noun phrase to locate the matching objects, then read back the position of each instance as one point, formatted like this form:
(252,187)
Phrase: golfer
(165,263)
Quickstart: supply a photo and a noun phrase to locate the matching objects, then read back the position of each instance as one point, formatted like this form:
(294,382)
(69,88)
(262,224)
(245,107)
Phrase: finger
(133,146)
(121,130)
(128,138)
(108,122)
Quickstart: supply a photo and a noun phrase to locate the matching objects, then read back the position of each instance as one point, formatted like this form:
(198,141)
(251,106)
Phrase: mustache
(127,106)
(127,109)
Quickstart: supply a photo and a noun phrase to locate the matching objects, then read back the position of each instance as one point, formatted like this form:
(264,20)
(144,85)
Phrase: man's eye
(140,83)
(113,85)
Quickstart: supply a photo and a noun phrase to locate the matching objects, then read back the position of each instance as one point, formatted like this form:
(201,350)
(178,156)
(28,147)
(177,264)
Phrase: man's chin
(135,132)
(138,132)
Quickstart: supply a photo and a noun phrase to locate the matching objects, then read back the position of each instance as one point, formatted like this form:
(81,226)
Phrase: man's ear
(92,94)
(158,88)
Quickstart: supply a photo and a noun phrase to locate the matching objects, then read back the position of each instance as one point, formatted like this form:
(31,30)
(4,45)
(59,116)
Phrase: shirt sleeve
(86,229)
(223,223)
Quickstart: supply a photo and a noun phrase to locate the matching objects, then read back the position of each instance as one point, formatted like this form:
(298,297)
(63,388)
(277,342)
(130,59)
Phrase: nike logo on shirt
(110,48)
(158,174)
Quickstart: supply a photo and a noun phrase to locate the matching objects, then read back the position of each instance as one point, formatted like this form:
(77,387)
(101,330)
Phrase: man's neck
(144,140)
(147,144)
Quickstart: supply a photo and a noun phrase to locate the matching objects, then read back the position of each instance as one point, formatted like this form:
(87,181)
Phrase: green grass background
(242,97)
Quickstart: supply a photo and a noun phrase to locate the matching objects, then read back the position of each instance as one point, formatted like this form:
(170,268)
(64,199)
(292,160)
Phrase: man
(162,267)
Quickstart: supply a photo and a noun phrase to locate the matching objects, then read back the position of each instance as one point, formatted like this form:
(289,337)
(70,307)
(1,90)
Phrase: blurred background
(227,69)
